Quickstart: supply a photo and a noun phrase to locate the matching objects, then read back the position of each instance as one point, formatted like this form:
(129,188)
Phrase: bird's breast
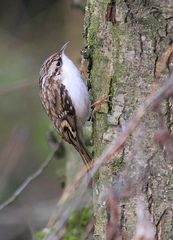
(72,80)
(79,95)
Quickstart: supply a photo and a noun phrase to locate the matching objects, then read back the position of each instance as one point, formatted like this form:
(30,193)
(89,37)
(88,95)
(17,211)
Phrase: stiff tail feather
(85,155)
(75,140)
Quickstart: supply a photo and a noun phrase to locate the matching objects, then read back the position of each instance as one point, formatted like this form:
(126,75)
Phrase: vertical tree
(125,55)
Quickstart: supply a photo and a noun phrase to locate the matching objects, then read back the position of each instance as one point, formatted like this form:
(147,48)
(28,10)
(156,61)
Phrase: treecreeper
(65,98)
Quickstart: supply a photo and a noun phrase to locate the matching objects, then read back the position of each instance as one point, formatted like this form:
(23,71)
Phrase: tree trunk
(124,57)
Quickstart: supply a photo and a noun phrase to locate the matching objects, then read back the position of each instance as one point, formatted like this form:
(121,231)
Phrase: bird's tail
(73,138)
(82,150)
(85,155)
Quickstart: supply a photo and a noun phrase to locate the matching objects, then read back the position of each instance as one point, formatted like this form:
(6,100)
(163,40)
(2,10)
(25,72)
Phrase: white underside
(77,89)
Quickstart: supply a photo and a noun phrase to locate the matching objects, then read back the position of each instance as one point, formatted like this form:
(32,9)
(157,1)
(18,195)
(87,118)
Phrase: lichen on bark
(124,58)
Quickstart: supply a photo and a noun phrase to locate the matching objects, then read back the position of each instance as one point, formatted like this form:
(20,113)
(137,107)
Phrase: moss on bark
(124,60)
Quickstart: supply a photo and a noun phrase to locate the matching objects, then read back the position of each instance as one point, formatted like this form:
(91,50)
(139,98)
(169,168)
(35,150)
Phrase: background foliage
(29,32)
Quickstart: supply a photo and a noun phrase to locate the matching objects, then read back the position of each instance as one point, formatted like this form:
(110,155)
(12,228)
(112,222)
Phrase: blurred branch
(144,227)
(113,226)
(89,230)
(75,192)
(17,86)
(29,180)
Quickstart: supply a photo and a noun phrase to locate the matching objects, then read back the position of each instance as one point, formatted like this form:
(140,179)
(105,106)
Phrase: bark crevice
(125,61)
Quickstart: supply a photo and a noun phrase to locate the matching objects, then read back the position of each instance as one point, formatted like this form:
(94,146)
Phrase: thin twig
(28,181)
(144,227)
(112,226)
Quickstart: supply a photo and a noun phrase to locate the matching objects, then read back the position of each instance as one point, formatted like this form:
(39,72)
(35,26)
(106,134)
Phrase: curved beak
(63,48)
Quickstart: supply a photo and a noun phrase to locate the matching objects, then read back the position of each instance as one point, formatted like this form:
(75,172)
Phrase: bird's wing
(67,123)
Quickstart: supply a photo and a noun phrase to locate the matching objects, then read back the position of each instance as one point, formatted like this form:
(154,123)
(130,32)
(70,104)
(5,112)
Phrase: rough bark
(123,59)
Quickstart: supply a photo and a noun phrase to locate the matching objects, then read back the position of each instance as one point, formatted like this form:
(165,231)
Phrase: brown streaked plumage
(65,99)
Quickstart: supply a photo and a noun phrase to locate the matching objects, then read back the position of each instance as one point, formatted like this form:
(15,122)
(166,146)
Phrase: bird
(65,98)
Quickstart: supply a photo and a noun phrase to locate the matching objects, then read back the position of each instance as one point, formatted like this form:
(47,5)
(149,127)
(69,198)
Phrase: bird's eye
(58,64)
